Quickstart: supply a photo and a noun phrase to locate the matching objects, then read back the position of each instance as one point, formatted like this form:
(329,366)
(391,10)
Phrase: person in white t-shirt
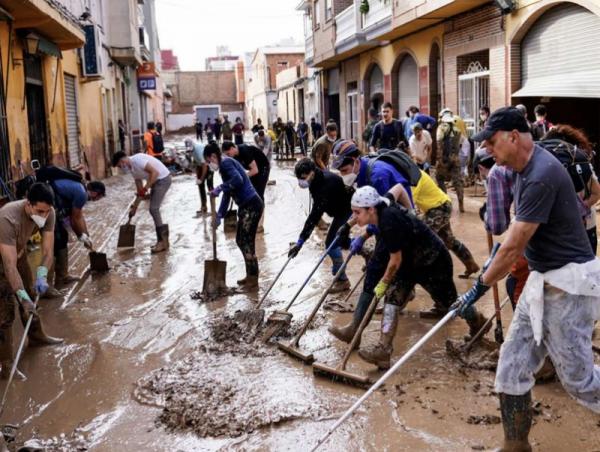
(420,146)
(143,167)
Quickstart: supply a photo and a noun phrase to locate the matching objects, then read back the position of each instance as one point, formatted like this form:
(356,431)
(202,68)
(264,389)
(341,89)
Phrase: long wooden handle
(134,205)
(213,212)
(490,241)
(363,324)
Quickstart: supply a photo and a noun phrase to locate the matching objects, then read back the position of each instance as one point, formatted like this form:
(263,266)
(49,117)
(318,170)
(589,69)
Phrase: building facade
(455,54)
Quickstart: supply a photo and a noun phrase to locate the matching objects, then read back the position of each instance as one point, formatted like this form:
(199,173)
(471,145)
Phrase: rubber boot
(61,269)
(162,236)
(38,337)
(52,291)
(381,353)
(437,312)
(6,355)
(341,285)
(346,333)
(465,256)
(475,320)
(251,280)
(516,421)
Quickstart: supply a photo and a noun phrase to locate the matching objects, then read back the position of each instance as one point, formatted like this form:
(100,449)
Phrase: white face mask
(213,166)
(303,183)
(126,170)
(349,179)
(331,140)
(39,221)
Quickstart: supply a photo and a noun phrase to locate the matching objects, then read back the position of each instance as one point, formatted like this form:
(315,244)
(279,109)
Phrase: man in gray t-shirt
(561,299)
(544,194)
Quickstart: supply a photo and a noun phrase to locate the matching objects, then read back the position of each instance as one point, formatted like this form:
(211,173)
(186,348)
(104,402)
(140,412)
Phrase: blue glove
(469,298)
(294,250)
(215,192)
(357,244)
(41,281)
(372,229)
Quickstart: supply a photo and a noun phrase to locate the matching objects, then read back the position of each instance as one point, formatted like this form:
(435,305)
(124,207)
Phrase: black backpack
(157,142)
(400,161)
(576,161)
(52,173)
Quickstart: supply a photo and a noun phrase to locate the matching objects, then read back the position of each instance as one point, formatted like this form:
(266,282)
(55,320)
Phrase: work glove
(294,250)
(469,298)
(343,230)
(217,222)
(25,302)
(215,192)
(86,240)
(357,244)
(380,289)
(372,229)
(41,280)
(142,192)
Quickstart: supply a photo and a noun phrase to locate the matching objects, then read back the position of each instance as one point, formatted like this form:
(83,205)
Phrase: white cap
(367,196)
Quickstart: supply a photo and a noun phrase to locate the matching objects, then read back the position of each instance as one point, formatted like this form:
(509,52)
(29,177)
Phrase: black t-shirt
(402,231)
(248,154)
(387,136)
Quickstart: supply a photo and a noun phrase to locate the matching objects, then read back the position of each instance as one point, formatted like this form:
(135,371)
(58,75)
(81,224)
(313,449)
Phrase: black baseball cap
(505,119)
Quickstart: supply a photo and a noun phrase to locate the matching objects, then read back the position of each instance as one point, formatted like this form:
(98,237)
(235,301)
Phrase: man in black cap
(560,302)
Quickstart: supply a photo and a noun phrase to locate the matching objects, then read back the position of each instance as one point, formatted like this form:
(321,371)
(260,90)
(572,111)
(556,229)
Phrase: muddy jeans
(337,259)
(159,190)
(248,218)
(568,323)
(438,219)
(450,171)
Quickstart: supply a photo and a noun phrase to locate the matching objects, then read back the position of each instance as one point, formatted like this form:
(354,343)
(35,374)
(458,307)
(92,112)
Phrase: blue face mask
(303,183)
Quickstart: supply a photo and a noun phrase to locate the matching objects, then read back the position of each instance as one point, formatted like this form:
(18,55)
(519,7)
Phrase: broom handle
(331,246)
(354,288)
(264,297)
(363,324)
(214,229)
(490,241)
(320,302)
(450,315)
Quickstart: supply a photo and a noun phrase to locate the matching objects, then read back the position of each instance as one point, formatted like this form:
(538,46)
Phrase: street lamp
(506,6)
(32,43)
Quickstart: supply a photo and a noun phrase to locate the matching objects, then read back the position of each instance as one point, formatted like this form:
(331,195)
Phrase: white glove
(86,240)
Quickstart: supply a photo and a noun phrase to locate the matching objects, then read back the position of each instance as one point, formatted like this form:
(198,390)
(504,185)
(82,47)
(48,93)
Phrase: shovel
(98,262)
(339,373)
(127,231)
(292,347)
(214,270)
(280,319)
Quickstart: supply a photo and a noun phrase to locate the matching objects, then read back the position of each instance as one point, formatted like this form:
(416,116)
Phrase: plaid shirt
(499,199)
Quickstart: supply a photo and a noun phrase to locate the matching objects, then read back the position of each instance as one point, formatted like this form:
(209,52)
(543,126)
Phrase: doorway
(36,109)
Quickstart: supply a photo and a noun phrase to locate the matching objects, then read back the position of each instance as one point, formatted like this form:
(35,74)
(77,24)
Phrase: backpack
(400,161)
(157,142)
(576,161)
(52,173)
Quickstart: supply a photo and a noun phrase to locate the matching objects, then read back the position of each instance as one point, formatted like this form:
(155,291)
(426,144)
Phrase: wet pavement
(147,367)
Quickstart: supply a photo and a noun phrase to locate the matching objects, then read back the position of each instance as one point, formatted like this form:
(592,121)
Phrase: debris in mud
(486,419)
(193,400)
(75,442)
(338,306)
(483,356)
(202,297)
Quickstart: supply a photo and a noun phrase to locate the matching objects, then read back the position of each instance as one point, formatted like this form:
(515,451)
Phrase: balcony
(380,12)
(345,25)
(309,53)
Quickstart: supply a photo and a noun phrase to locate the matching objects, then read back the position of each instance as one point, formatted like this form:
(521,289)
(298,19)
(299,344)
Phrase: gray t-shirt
(544,194)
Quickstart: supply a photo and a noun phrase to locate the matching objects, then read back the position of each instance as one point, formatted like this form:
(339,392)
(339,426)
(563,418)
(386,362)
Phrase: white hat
(367,196)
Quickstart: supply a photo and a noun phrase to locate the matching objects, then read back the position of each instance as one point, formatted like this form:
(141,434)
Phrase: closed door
(408,89)
(72,121)
(36,117)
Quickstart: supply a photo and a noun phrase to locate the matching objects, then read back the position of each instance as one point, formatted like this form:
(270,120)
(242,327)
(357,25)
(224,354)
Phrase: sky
(194,28)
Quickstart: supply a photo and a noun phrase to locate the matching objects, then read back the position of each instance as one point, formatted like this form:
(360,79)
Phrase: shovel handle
(213,213)
(363,324)
(264,297)
(499,335)
(339,273)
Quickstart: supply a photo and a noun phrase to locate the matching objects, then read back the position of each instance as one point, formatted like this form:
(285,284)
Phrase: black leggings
(259,182)
(61,235)
(248,218)
(208,182)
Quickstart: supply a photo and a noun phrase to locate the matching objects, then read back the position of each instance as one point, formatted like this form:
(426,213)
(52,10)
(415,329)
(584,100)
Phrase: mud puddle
(74,442)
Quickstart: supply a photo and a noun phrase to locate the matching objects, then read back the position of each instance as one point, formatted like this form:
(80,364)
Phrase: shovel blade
(98,262)
(126,236)
(214,277)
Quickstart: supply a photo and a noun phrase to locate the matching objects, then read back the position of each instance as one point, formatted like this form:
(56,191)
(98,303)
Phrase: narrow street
(136,341)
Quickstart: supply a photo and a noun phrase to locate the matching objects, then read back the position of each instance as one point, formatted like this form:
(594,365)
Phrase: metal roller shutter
(72,121)
(560,56)
(408,92)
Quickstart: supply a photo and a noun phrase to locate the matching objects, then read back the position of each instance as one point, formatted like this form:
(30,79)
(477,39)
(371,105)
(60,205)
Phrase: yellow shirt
(427,195)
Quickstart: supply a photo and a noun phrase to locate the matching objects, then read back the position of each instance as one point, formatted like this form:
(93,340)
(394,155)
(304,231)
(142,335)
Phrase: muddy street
(146,365)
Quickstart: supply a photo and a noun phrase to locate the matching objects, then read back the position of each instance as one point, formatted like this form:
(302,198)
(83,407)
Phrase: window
(282,65)
(352,110)
(328,11)
(317,15)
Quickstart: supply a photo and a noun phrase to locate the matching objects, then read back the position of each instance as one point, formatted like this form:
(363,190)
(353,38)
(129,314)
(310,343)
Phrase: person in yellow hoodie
(436,208)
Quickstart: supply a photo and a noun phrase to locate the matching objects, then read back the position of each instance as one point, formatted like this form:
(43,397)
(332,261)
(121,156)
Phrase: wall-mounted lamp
(31,45)
(506,6)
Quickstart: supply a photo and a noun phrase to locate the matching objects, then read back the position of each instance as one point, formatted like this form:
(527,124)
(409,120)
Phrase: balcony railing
(309,53)
(345,24)
(378,10)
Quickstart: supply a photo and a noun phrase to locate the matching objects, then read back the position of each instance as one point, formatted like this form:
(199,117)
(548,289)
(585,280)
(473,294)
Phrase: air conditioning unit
(91,60)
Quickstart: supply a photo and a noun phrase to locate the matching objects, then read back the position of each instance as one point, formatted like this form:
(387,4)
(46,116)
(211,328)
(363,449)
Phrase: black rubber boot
(347,332)
(516,420)
(162,236)
(381,354)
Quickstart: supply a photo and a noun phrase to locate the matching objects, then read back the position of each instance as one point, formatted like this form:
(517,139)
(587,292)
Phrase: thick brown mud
(145,366)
